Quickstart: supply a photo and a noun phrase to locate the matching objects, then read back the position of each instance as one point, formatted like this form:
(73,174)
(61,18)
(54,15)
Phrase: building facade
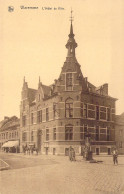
(9,134)
(58,116)
(119,133)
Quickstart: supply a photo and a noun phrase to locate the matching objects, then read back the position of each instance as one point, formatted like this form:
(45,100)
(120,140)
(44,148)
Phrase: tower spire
(39,79)
(71,44)
(40,83)
(71,27)
(24,79)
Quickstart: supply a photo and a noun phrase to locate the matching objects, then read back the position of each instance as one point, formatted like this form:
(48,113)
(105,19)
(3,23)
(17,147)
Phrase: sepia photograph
(62,97)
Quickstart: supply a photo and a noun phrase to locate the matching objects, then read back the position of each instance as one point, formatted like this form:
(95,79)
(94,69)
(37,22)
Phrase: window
(103,134)
(108,114)
(68,132)
(91,111)
(103,113)
(69,108)
(54,111)
(47,114)
(120,144)
(97,133)
(39,116)
(47,134)
(24,136)
(85,111)
(24,120)
(81,133)
(85,131)
(54,133)
(113,114)
(10,136)
(97,112)
(69,81)
(32,136)
(81,109)
(32,118)
(108,133)
(7,135)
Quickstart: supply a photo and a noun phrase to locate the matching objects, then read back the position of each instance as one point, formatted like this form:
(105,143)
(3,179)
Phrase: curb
(6,167)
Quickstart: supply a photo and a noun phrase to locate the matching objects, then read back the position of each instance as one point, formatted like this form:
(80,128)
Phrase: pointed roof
(71,35)
(71,27)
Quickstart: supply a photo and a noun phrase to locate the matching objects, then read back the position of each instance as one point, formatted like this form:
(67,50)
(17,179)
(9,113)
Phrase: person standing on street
(115,156)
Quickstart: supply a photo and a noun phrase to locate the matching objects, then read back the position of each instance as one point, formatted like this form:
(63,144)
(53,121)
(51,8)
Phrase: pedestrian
(115,156)
(70,153)
(73,155)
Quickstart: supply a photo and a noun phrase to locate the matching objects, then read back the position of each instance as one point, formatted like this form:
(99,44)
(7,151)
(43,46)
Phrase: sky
(33,44)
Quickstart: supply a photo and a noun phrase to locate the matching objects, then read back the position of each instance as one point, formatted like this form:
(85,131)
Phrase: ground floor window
(120,144)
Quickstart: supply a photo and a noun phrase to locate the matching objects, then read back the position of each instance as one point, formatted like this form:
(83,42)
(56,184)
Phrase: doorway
(109,151)
(66,151)
(97,151)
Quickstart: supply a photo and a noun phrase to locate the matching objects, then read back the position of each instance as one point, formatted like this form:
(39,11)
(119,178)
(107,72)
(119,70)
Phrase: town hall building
(58,116)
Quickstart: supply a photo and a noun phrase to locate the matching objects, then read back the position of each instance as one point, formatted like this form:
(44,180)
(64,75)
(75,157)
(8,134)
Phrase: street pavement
(57,175)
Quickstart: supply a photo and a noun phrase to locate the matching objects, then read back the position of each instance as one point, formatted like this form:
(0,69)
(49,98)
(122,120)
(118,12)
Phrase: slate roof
(46,90)
(11,122)
(31,94)
(120,119)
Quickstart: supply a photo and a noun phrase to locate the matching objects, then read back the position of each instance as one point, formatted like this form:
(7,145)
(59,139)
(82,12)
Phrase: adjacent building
(9,134)
(119,133)
(58,116)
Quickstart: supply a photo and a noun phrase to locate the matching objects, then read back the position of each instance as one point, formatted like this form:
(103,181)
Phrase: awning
(31,144)
(10,144)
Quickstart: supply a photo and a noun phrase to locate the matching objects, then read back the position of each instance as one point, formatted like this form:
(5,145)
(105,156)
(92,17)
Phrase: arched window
(69,108)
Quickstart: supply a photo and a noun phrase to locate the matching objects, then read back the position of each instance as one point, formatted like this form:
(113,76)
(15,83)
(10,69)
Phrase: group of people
(30,150)
(72,155)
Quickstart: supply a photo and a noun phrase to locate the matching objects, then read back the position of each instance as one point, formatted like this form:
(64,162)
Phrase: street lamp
(87,148)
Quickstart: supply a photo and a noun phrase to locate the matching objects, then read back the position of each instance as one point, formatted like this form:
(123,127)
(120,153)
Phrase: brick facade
(119,133)
(58,116)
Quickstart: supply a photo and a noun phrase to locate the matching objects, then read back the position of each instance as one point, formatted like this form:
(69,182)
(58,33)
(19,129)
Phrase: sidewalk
(3,165)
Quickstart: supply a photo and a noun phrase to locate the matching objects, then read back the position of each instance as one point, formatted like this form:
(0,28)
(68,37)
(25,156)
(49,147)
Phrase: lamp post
(88,152)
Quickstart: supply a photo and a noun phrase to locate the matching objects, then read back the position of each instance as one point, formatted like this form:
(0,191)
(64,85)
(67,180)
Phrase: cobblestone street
(64,177)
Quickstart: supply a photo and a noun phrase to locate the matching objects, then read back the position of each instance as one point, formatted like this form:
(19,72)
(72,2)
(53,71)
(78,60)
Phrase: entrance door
(109,151)
(97,151)
(66,151)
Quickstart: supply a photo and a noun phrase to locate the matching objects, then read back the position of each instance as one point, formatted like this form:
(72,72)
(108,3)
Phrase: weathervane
(71,18)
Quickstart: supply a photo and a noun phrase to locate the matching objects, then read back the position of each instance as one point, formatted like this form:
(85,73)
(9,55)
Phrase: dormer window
(69,81)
